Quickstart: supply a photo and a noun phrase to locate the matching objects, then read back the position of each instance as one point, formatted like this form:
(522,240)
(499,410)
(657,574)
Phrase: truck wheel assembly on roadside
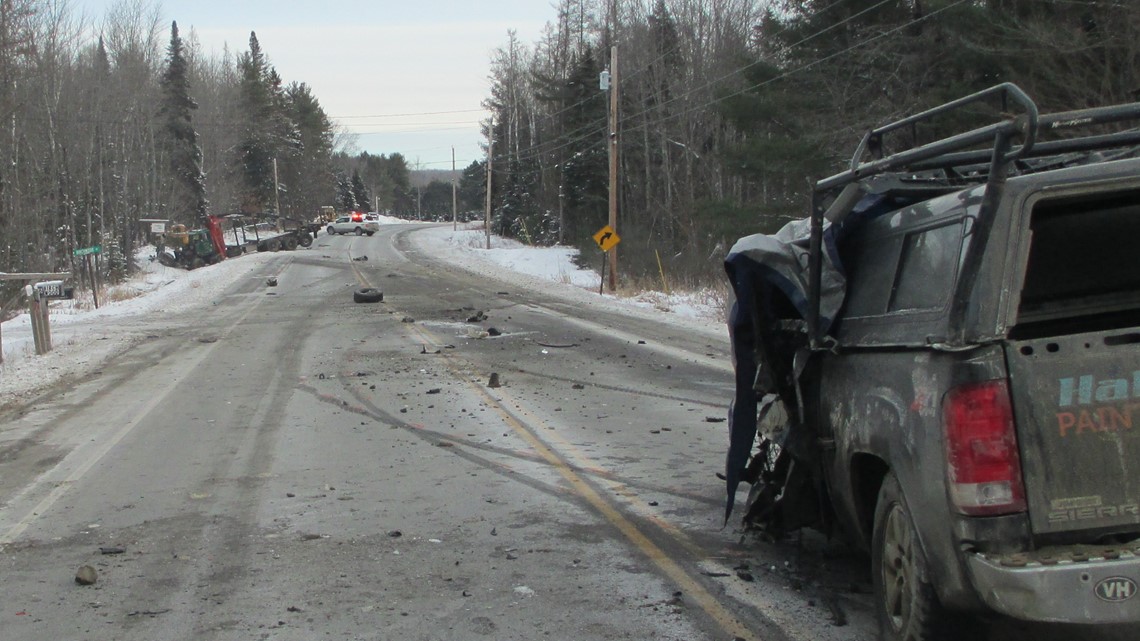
(367,295)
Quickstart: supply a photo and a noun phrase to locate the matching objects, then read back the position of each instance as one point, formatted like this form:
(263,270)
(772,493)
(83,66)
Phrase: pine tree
(585,171)
(308,173)
(188,193)
(256,152)
(345,200)
(473,190)
(359,192)
(117,264)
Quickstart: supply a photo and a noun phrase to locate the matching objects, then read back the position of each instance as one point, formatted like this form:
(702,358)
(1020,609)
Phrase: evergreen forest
(726,112)
(729,110)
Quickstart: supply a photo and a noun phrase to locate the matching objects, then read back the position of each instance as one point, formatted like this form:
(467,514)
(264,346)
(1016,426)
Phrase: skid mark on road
(90,458)
(684,580)
(363,407)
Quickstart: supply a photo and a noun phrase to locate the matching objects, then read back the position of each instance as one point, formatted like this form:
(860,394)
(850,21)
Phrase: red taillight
(981,450)
(357,216)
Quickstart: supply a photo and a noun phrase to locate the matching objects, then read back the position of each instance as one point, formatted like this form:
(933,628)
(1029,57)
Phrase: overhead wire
(533,154)
(782,76)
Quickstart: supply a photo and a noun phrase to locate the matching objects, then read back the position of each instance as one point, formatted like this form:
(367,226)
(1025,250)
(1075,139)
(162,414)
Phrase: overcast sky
(369,62)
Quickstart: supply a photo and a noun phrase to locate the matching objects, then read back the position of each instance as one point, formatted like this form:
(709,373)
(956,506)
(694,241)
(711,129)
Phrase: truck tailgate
(1076,401)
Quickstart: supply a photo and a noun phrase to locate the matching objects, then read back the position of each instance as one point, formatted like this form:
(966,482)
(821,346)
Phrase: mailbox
(53,289)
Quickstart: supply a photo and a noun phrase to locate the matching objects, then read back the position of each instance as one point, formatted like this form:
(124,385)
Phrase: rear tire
(906,604)
(331,231)
(358,231)
(291,243)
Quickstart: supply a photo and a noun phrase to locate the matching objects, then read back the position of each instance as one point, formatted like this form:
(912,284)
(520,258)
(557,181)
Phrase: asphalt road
(463,460)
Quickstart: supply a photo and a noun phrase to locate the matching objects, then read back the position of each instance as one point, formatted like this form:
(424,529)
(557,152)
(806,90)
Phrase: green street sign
(87,250)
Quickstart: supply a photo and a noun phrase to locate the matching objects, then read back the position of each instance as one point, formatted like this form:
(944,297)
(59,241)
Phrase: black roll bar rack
(834,197)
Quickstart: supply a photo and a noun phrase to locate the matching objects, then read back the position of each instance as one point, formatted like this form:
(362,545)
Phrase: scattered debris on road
(367,295)
(86,575)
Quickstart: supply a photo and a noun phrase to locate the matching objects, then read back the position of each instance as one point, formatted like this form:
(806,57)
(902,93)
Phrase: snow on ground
(83,338)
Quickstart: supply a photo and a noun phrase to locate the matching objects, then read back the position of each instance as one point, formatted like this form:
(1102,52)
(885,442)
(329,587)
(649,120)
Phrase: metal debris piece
(148,613)
(558,345)
(112,550)
(271,281)
(494,382)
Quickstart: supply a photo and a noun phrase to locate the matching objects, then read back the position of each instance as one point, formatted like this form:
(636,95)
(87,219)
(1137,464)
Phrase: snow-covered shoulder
(83,337)
(553,269)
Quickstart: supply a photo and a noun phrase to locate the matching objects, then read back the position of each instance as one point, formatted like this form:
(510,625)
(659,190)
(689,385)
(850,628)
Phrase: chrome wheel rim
(898,568)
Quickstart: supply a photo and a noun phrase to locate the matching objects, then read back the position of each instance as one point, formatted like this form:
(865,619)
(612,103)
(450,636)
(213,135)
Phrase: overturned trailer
(267,232)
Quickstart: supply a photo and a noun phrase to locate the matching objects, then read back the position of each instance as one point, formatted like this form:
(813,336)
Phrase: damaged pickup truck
(942,365)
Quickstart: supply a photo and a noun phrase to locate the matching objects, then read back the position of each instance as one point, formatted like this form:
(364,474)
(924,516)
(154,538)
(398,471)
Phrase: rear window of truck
(1083,258)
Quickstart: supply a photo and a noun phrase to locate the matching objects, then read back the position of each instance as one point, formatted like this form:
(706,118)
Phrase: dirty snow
(83,338)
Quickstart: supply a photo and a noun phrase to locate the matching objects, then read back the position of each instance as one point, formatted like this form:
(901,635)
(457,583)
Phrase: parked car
(353,225)
(947,373)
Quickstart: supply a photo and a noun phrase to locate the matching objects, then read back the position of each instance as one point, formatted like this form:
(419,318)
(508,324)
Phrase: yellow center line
(685,580)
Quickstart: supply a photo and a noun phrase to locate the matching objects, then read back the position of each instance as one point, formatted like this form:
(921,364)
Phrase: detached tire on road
(367,295)
(906,604)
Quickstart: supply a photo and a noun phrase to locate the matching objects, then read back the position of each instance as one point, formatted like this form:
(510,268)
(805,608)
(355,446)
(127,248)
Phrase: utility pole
(490,156)
(614,97)
(454,198)
(276,191)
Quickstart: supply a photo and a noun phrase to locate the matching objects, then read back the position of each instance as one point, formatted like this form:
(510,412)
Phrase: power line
(415,113)
(534,153)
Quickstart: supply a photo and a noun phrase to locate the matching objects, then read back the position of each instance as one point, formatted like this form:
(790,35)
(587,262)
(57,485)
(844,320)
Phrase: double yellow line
(684,579)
